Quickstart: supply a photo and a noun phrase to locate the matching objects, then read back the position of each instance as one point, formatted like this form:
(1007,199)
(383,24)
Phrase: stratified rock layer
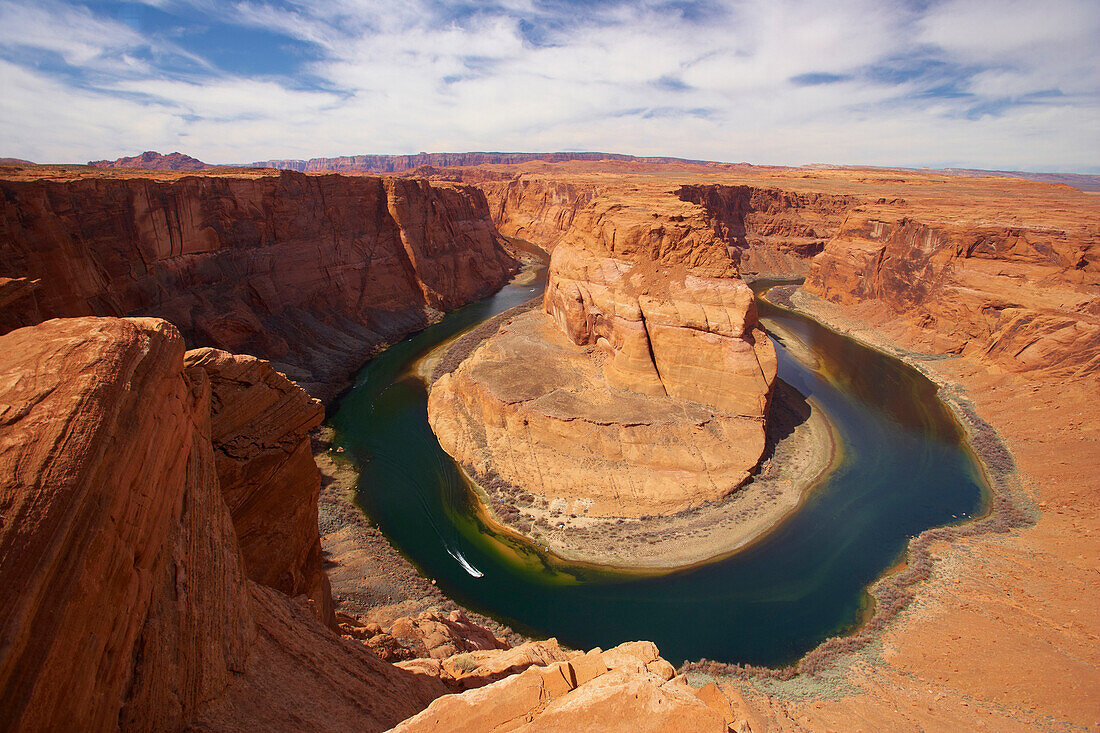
(557,426)
(124,602)
(646,389)
(775,231)
(311,272)
(668,331)
(1023,297)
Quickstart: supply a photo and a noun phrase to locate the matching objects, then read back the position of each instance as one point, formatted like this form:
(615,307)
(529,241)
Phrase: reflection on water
(903,471)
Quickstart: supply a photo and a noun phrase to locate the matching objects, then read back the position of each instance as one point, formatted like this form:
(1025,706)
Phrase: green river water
(905,468)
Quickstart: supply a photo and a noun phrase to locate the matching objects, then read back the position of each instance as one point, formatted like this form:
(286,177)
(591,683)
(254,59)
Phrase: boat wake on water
(465,563)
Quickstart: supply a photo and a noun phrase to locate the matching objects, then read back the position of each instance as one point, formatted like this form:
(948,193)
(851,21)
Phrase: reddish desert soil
(1004,634)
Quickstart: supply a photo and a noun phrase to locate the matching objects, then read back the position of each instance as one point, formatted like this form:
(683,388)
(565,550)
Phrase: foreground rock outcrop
(260,424)
(314,273)
(628,686)
(125,601)
(122,593)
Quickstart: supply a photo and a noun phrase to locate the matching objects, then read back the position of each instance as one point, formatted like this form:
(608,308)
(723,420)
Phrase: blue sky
(972,83)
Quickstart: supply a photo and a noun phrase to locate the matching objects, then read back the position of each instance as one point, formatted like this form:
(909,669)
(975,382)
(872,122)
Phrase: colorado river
(905,468)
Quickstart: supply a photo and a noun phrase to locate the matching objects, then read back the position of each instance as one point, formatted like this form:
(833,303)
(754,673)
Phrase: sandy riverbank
(369,577)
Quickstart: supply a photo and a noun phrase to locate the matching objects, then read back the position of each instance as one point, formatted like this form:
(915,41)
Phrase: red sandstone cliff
(122,599)
(776,231)
(311,272)
(535,209)
(1023,297)
(260,432)
(124,602)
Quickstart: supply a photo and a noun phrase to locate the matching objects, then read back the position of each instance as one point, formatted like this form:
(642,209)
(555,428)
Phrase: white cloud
(78,36)
(635,77)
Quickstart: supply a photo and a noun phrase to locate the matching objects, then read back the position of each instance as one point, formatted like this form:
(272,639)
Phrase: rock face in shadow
(1023,298)
(260,433)
(124,599)
(314,273)
(645,385)
(777,231)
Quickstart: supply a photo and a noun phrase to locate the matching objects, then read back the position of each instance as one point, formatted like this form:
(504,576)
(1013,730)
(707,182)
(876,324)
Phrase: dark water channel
(905,469)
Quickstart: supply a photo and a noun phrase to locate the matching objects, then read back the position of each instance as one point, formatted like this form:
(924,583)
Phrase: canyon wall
(1022,298)
(768,230)
(311,272)
(535,209)
(777,231)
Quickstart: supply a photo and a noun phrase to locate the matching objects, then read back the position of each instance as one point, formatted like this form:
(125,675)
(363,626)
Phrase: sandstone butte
(131,598)
(646,380)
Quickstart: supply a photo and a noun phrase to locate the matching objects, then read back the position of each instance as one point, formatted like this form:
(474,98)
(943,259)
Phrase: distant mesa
(429,162)
(424,165)
(151,160)
(402,163)
(1080,181)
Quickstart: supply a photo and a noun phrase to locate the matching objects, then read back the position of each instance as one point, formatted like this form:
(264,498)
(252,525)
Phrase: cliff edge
(314,273)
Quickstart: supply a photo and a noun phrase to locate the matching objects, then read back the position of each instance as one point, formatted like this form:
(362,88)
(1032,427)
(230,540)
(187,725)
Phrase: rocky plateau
(161,565)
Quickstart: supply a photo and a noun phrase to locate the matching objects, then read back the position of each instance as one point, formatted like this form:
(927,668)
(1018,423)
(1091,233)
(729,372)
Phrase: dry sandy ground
(1004,635)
